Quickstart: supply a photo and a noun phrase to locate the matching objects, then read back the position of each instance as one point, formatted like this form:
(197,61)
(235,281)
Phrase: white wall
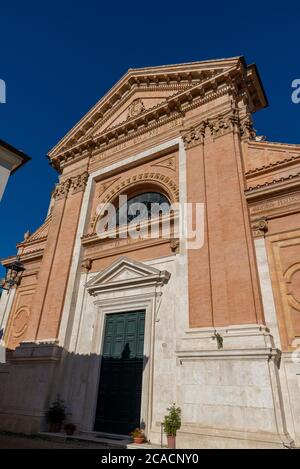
(4,175)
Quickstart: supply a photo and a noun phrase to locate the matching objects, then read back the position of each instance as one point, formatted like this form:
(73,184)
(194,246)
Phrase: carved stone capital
(62,189)
(259,227)
(79,182)
(219,125)
(246,127)
(195,135)
(75,184)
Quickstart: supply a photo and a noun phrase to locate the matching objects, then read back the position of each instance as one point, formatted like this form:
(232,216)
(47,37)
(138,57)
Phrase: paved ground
(8,441)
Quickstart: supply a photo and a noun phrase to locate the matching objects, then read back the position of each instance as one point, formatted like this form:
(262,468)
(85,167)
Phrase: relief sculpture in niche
(292,278)
(168,163)
(20,322)
(136,108)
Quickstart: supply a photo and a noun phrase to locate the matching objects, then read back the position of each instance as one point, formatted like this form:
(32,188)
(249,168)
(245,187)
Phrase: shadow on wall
(34,374)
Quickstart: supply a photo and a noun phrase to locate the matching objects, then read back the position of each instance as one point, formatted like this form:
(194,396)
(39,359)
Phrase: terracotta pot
(171,442)
(139,440)
(55,427)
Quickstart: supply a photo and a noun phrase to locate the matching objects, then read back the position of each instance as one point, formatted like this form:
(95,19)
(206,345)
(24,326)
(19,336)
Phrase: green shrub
(172,421)
(57,411)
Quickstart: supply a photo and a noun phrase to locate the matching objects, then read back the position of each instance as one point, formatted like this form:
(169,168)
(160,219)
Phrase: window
(144,206)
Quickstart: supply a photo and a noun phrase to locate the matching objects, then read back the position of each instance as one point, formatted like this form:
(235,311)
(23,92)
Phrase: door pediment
(126,273)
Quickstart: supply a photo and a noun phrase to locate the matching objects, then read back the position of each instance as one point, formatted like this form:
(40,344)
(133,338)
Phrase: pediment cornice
(126,273)
(193,85)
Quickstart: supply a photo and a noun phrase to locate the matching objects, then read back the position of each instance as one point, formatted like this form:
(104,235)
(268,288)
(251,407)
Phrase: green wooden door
(120,386)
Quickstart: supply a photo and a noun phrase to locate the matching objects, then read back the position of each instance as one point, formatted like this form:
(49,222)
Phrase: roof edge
(24,158)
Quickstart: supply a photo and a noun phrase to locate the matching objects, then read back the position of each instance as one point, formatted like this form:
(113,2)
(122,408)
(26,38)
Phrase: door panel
(120,386)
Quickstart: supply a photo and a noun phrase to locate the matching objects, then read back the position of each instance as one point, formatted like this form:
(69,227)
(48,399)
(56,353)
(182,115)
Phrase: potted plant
(70,428)
(138,436)
(172,423)
(56,414)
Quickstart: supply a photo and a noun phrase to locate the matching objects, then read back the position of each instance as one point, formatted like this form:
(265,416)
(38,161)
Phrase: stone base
(230,396)
(195,437)
(18,423)
(25,386)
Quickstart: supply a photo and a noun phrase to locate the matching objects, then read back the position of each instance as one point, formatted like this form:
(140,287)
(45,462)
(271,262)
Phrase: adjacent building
(122,326)
(10,160)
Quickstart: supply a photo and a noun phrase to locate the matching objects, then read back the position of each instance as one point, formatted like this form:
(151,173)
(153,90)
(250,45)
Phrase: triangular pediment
(143,90)
(126,273)
(135,105)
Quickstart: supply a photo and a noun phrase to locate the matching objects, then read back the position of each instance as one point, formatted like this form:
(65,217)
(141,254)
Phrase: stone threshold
(93,438)
(100,438)
(146,446)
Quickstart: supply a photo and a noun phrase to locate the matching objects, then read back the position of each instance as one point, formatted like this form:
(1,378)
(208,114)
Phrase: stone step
(146,446)
(91,438)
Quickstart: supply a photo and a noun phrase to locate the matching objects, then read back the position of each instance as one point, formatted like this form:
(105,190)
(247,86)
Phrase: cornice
(38,236)
(276,164)
(122,247)
(233,81)
(138,126)
(178,87)
(32,254)
(25,257)
(282,184)
(275,145)
(153,78)
(32,242)
(133,128)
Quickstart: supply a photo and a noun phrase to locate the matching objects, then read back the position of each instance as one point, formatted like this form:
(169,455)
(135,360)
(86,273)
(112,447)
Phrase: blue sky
(59,58)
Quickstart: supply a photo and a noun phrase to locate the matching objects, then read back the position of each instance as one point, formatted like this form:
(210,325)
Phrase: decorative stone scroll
(75,184)
(217,126)
(62,189)
(79,182)
(174,245)
(259,227)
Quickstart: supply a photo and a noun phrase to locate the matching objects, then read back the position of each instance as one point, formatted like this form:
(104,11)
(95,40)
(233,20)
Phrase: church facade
(123,326)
